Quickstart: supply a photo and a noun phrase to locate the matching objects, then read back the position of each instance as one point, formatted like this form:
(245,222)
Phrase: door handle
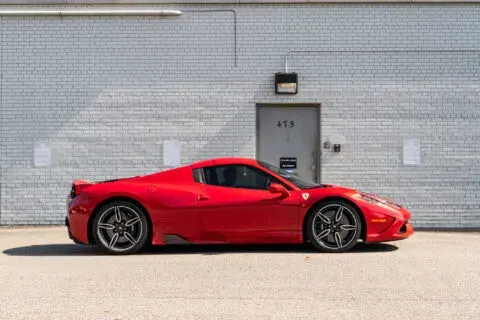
(202,197)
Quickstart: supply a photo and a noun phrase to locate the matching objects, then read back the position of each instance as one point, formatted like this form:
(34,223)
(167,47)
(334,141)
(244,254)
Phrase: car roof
(224,160)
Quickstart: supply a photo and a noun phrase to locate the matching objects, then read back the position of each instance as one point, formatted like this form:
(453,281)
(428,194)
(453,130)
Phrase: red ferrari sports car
(228,200)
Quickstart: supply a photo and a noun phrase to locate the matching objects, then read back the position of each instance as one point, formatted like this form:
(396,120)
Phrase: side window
(237,176)
(213,176)
(198,175)
(251,178)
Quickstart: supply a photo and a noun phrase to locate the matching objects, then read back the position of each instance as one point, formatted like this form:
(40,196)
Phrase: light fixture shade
(286,83)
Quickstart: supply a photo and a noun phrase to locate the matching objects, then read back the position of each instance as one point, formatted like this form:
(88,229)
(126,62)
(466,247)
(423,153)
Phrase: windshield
(290,176)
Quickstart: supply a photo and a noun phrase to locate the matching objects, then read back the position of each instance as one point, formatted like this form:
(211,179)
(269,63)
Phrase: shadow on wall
(120,133)
(85,250)
(132,121)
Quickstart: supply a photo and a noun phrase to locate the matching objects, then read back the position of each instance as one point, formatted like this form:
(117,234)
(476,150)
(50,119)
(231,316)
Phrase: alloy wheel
(120,228)
(335,226)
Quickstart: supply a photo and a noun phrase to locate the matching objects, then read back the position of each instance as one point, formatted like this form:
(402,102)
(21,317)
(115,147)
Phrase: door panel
(245,215)
(291,132)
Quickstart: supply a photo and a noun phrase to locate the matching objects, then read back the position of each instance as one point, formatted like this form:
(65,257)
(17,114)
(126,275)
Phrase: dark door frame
(292,105)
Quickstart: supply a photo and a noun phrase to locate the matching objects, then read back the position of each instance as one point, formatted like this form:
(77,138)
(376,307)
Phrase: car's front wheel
(334,226)
(120,227)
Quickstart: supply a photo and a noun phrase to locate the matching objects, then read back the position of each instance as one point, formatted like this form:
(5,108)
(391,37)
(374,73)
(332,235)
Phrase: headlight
(377,200)
(368,198)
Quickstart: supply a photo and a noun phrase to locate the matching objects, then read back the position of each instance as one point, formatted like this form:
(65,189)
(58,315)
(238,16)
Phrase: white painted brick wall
(105,92)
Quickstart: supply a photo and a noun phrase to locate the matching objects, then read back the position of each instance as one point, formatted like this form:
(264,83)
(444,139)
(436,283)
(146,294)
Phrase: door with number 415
(290,132)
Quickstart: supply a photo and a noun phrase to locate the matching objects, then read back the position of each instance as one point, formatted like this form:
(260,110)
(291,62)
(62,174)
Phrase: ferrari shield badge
(305,195)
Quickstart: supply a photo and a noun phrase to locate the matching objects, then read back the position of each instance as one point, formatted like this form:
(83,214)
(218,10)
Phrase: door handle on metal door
(202,197)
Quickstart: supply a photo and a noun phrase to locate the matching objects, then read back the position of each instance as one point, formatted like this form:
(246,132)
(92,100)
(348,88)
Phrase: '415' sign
(286,124)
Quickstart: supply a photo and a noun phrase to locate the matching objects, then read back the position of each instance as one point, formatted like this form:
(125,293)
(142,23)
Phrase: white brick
(107,91)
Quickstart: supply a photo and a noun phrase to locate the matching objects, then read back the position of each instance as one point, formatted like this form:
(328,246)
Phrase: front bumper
(405,231)
(399,229)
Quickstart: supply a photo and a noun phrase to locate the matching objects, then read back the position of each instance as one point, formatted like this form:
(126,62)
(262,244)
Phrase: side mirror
(278,189)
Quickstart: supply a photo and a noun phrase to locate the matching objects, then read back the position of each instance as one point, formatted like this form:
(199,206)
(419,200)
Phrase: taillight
(73,192)
(78,186)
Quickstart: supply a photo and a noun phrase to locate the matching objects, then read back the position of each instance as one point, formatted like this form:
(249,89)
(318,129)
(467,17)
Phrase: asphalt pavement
(432,275)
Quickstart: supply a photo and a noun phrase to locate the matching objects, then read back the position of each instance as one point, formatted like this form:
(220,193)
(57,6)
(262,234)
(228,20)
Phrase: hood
(355,194)
(333,186)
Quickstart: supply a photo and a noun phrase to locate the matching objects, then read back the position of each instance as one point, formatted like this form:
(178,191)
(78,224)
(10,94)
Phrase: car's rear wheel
(120,227)
(334,226)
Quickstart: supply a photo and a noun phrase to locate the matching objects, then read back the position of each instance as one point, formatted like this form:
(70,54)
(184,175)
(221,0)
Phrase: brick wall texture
(105,92)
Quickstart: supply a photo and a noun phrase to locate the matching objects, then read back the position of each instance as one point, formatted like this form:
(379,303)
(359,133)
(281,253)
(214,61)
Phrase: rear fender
(79,186)
(95,211)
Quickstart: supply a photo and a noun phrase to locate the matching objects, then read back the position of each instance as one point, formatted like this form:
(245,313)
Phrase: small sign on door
(288,163)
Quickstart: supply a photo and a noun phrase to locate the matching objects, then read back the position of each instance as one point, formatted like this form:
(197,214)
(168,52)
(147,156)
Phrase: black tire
(327,232)
(120,228)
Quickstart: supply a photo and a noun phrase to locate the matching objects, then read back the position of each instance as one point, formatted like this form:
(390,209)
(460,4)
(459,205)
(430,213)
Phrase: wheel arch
(91,219)
(330,198)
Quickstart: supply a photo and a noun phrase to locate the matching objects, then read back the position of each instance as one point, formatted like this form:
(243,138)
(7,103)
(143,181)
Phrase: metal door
(288,137)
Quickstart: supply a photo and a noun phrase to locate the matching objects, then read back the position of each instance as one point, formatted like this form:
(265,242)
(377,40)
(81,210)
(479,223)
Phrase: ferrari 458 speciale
(228,200)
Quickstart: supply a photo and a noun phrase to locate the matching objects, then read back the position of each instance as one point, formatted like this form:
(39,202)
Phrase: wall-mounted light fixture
(286,83)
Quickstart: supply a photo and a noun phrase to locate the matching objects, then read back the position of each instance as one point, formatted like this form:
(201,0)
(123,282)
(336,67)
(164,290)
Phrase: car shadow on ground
(85,250)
